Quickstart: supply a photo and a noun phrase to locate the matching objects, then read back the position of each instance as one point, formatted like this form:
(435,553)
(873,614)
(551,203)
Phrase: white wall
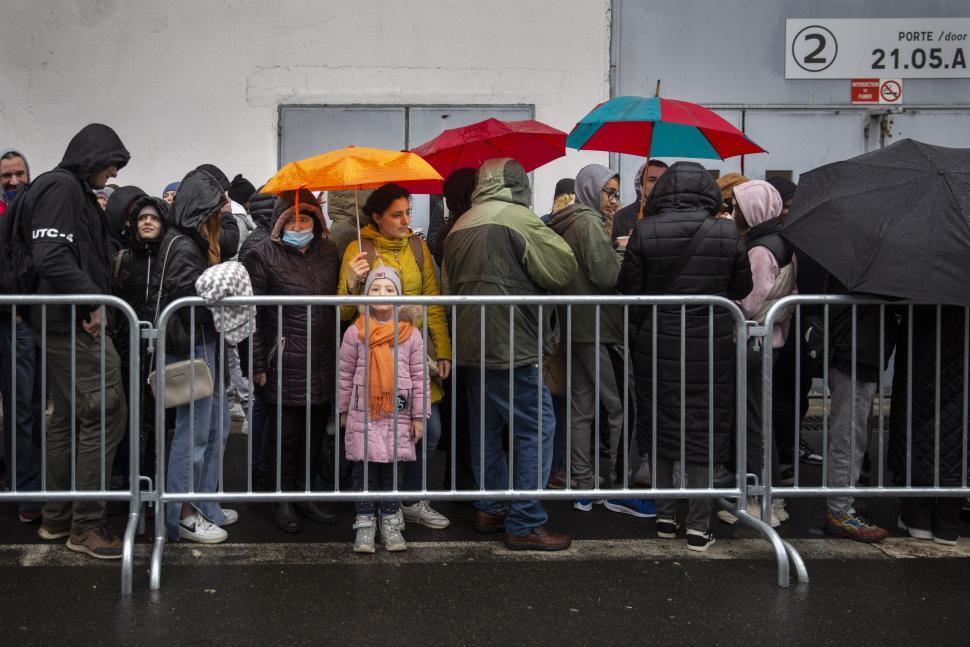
(187,82)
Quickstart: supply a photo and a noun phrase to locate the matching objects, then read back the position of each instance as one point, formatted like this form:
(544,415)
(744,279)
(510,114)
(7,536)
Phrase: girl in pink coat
(381,425)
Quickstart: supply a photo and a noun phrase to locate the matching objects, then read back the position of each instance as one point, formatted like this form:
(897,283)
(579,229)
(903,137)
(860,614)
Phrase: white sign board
(912,48)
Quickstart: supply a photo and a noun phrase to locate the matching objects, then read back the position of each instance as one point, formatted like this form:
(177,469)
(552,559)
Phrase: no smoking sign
(881,91)
(891,91)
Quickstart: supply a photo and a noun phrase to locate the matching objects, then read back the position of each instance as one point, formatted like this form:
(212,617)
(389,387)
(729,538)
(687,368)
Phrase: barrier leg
(766,531)
(800,570)
(128,544)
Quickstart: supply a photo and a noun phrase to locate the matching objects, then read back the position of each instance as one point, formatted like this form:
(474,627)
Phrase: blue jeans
(205,438)
(411,478)
(26,391)
(523,515)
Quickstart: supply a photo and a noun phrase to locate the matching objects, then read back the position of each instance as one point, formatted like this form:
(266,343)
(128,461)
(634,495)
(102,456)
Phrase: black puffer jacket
(952,395)
(261,207)
(279,269)
(199,199)
(681,201)
(66,227)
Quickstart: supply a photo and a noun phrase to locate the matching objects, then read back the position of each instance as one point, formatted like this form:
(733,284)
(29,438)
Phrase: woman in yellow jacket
(389,240)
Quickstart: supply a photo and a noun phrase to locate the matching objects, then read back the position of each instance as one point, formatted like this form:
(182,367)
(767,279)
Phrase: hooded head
(159,207)
(14,173)
(347,206)
(93,150)
(458,189)
(686,186)
(590,183)
(119,210)
(502,179)
(757,201)
(285,211)
(216,173)
(241,190)
(199,199)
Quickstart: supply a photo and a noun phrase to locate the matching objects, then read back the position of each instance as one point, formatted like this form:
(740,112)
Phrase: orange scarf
(381,362)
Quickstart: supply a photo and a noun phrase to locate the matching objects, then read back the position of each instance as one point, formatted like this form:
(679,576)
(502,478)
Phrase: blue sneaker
(643,508)
(585,505)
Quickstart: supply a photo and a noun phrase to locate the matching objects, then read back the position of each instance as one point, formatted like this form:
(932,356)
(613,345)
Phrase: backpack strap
(119,261)
(418,250)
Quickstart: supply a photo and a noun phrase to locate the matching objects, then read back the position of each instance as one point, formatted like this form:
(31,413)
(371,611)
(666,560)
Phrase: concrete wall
(186,82)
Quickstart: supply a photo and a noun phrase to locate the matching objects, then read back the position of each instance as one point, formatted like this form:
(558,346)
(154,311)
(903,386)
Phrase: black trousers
(285,444)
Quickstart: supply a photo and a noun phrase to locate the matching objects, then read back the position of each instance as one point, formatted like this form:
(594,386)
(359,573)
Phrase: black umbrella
(894,222)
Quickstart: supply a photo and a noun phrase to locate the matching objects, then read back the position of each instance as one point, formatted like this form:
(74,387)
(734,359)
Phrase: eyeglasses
(612,194)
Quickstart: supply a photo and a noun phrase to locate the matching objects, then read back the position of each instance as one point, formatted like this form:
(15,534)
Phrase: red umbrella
(531,143)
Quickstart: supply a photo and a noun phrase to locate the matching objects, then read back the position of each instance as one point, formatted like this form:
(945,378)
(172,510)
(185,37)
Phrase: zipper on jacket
(280,345)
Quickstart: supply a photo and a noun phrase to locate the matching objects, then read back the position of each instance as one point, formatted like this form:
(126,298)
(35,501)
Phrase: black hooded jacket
(683,199)
(261,206)
(68,232)
(199,199)
(229,233)
(139,266)
(118,212)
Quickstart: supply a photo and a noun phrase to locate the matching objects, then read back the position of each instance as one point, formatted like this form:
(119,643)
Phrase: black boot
(318,512)
(285,517)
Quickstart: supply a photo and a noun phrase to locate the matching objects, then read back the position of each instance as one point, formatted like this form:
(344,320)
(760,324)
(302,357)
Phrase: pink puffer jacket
(353,400)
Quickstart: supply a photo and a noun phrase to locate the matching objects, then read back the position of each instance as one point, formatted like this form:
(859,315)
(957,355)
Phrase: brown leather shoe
(488,524)
(538,539)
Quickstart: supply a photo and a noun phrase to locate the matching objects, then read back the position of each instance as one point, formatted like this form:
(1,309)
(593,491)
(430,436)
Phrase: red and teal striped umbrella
(657,127)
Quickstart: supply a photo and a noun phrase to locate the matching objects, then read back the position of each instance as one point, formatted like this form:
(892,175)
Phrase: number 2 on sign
(920,58)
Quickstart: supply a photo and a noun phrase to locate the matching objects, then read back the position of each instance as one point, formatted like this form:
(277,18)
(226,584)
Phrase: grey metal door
(311,130)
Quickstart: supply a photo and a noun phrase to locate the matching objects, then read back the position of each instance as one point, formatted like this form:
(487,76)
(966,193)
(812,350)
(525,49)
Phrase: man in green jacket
(500,247)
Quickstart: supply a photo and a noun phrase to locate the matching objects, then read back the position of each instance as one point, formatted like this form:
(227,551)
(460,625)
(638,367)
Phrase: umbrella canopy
(356,168)
(656,127)
(892,222)
(531,143)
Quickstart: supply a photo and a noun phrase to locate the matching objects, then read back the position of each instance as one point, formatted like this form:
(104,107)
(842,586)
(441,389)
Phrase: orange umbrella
(356,168)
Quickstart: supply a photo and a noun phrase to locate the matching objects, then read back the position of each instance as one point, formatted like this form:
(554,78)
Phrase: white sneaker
(754,509)
(422,513)
(231,517)
(365,526)
(391,536)
(200,530)
(915,533)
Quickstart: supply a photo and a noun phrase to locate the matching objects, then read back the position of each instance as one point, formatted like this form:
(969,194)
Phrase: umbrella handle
(360,246)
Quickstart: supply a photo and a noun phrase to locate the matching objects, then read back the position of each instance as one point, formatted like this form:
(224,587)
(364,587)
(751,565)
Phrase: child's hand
(417,430)
(343,420)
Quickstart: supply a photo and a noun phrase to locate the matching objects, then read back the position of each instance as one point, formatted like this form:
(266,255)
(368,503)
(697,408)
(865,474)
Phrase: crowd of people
(68,232)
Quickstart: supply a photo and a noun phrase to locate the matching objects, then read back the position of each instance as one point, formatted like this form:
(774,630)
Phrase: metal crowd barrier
(681,307)
(39,326)
(891,314)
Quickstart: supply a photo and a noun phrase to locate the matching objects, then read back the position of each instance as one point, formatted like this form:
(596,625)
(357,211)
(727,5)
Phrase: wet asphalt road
(898,602)
(431,599)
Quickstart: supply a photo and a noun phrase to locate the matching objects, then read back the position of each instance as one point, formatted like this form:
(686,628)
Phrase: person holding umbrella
(390,240)
(297,259)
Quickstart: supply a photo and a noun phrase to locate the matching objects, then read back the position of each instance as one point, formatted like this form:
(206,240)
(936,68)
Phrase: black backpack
(17,274)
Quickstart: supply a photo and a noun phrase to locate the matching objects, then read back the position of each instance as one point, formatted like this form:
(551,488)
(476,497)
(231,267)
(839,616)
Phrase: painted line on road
(444,552)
